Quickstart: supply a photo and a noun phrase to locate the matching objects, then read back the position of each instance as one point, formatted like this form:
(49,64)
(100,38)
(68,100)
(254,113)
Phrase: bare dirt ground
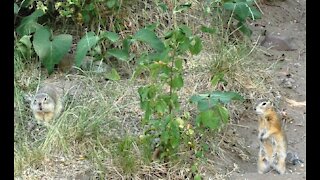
(287,18)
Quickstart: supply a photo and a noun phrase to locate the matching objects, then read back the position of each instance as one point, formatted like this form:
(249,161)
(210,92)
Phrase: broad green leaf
(152,91)
(58,48)
(119,54)
(41,42)
(186,30)
(184,44)
(85,16)
(178,64)
(244,29)
(229,6)
(161,106)
(198,97)
(223,112)
(25,40)
(254,14)
(168,34)
(249,2)
(199,154)
(24,46)
(225,97)
(147,113)
(195,45)
(208,30)
(126,44)
(156,56)
(177,82)
(113,75)
(165,137)
(51,51)
(205,104)
(16,8)
(155,69)
(143,92)
(216,78)
(175,100)
(175,141)
(209,119)
(85,44)
(241,11)
(112,36)
(174,134)
(197,177)
(149,37)
(29,24)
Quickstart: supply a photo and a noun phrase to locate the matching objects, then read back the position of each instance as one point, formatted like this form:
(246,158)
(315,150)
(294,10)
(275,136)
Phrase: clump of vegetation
(95,130)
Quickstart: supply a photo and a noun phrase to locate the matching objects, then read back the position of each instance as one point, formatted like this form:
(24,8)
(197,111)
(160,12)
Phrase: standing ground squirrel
(46,104)
(273,142)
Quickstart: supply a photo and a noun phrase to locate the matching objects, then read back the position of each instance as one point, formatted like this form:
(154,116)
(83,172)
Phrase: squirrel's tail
(292,158)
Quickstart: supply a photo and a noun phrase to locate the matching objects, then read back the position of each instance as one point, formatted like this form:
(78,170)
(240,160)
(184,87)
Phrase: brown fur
(46,104)
(273,144)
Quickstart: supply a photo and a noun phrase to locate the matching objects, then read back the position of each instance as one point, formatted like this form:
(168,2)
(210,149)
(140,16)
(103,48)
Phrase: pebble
(296,65)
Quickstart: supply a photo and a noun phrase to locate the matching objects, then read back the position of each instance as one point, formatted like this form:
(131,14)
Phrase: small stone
(288,83)
(296,65)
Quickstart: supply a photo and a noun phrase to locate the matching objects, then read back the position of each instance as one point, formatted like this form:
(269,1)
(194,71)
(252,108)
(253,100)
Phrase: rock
(288,82)
(296,65)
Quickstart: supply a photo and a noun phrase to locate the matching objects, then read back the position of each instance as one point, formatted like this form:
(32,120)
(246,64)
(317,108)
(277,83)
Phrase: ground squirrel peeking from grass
(272,139)
(46,104)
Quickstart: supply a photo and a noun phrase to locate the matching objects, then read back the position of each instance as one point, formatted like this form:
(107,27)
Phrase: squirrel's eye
(264,104)
(45,99)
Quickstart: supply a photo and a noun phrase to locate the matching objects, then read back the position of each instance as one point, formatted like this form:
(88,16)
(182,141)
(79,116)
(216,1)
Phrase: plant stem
(174,14)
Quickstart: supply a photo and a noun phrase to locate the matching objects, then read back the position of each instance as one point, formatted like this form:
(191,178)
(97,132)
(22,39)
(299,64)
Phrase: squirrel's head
(262,106)
(42,102)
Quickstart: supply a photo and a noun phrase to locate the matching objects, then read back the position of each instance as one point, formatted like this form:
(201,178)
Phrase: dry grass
(98,133)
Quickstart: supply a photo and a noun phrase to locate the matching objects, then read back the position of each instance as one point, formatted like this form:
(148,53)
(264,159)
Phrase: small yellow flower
(180,122)
(190,131)
(41,6)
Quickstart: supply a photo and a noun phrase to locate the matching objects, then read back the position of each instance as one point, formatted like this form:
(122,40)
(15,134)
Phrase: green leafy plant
(87,12)
(29,23)
(23,47)
(230,10)
(159,99)
(84,45)
(241,10)
(51,49)
(213,114)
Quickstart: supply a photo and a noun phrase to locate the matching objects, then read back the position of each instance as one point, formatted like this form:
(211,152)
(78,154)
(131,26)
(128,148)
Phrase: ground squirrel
(272,139)
(46,104)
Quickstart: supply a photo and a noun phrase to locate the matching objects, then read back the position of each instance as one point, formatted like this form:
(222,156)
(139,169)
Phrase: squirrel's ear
(271,103)
(268,118)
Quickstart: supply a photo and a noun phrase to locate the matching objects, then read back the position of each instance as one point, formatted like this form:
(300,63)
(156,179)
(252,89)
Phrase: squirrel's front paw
(262,136)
